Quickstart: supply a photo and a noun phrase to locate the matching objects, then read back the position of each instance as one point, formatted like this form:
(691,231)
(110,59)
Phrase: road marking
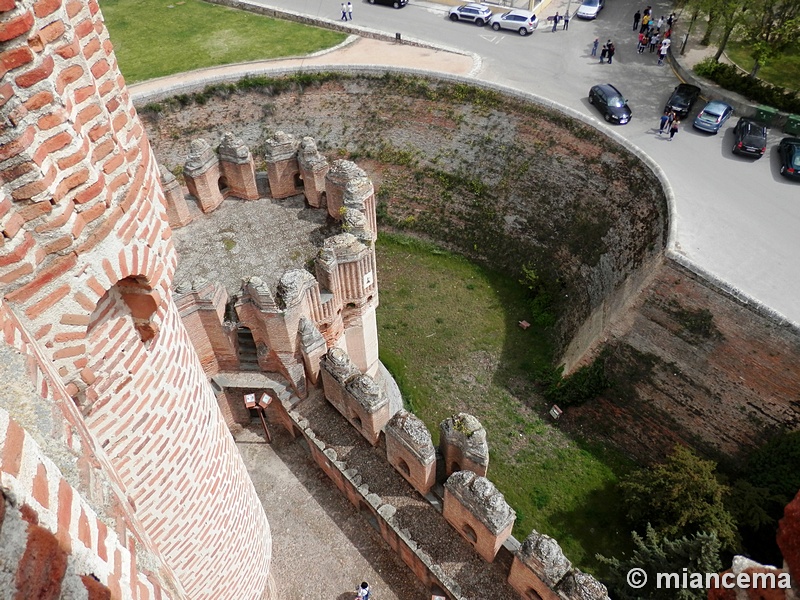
(493,39)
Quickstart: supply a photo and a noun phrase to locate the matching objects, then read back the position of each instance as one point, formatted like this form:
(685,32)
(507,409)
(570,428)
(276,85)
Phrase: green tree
(680,497)
(770,27)
(698,553)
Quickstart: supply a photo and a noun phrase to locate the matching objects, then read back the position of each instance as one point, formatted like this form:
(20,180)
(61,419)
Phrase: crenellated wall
(86,267)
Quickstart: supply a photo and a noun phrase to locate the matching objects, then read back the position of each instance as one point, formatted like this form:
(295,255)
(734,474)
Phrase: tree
(770,27)
(698,553)
(680,497)
(730,15)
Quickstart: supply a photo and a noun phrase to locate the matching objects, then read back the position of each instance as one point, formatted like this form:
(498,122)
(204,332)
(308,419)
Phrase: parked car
(521,21)
(789,151)
(394,3)
(476,13)
(713,116)
(749,138)
(590,9)
(611,103)
(682,99)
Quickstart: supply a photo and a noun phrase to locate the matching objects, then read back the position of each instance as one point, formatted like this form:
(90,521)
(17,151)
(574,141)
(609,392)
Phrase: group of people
(669,124)
(607,51)
(650,32)
(558,18)
(347,11)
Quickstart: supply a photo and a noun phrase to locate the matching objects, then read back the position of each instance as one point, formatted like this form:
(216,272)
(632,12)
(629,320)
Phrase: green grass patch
(783,71)
(154,38)
(449,333)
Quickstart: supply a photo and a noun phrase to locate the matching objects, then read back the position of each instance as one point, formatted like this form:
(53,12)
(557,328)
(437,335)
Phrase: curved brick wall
(86,263)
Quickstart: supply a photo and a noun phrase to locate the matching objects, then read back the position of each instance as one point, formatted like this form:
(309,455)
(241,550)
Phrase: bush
(729,77)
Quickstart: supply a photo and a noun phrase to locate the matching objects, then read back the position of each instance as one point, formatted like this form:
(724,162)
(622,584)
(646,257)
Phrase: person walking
(603,53)
(350,10)
(611,51)
(653,42)
(566,20)
(642,44)
(555,22)
(594,46)
(662,53)
(364,591)
(636,18)
(673,129)
(344,12)
(645,23)
(664,124)
(660,23)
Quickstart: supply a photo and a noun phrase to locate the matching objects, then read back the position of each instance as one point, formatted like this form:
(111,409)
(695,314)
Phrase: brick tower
(86,266)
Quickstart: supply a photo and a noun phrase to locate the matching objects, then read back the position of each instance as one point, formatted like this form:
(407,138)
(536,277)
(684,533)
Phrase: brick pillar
(313,347)
(478,511)
(337,369)
(202,310)
(177,208)
(339,176)
(368,407)
(313,169)
(462,442)
(359,194)
(539,565)
(282,167)
(409,449)
(202,174)
(238,168)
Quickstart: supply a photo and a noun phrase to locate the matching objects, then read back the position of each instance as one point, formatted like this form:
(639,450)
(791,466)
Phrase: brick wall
(86,263)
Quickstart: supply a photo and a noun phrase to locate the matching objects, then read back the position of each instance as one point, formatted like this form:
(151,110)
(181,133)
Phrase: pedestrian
(566,21)
(640,46)
(648,11)
(555,22)
(611,50)
(662,54)
(645,23)
(664,124)
(636,18)
(660,22)
(653,42)
(344,12)
(603,53)
(350,10)
(671,20)
(673,129)
(364,591)
(594,46)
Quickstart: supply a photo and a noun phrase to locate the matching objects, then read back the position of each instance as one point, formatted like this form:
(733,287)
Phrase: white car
(590,9)
(477,13)
(521,21)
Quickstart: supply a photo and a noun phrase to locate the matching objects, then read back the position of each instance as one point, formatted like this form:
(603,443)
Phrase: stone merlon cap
(366,392)
(258,291)
(338,363)
(166,176)
(578,585)
(544,556)
(410,431)
(357,191)
(346,247)
(467,433)
(281,147)
(343,171)
(292,285)
(309,156)
(233,149)
(201,157)
(482,499)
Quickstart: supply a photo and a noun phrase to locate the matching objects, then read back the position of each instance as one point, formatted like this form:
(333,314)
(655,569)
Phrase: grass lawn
(153,38)
(448,332)
(783,71)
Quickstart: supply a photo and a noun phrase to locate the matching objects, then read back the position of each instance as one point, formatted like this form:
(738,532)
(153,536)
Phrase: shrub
(729,77)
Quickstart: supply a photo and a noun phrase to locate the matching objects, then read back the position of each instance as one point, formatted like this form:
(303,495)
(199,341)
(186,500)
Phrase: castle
(118,474)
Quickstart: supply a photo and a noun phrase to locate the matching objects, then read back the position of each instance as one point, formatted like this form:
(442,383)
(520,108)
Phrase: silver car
(521,21)
(713,116)
(476,13)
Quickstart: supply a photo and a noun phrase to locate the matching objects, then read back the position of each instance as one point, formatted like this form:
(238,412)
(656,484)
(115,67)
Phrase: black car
(395,3)
(789,151)
(610,101)
(749,138)
(682,99)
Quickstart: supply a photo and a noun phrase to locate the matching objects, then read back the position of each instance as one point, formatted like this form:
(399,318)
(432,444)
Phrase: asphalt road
(737,219)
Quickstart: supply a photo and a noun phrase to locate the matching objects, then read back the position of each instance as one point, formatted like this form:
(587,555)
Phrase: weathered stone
(544,556)
(482,499)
